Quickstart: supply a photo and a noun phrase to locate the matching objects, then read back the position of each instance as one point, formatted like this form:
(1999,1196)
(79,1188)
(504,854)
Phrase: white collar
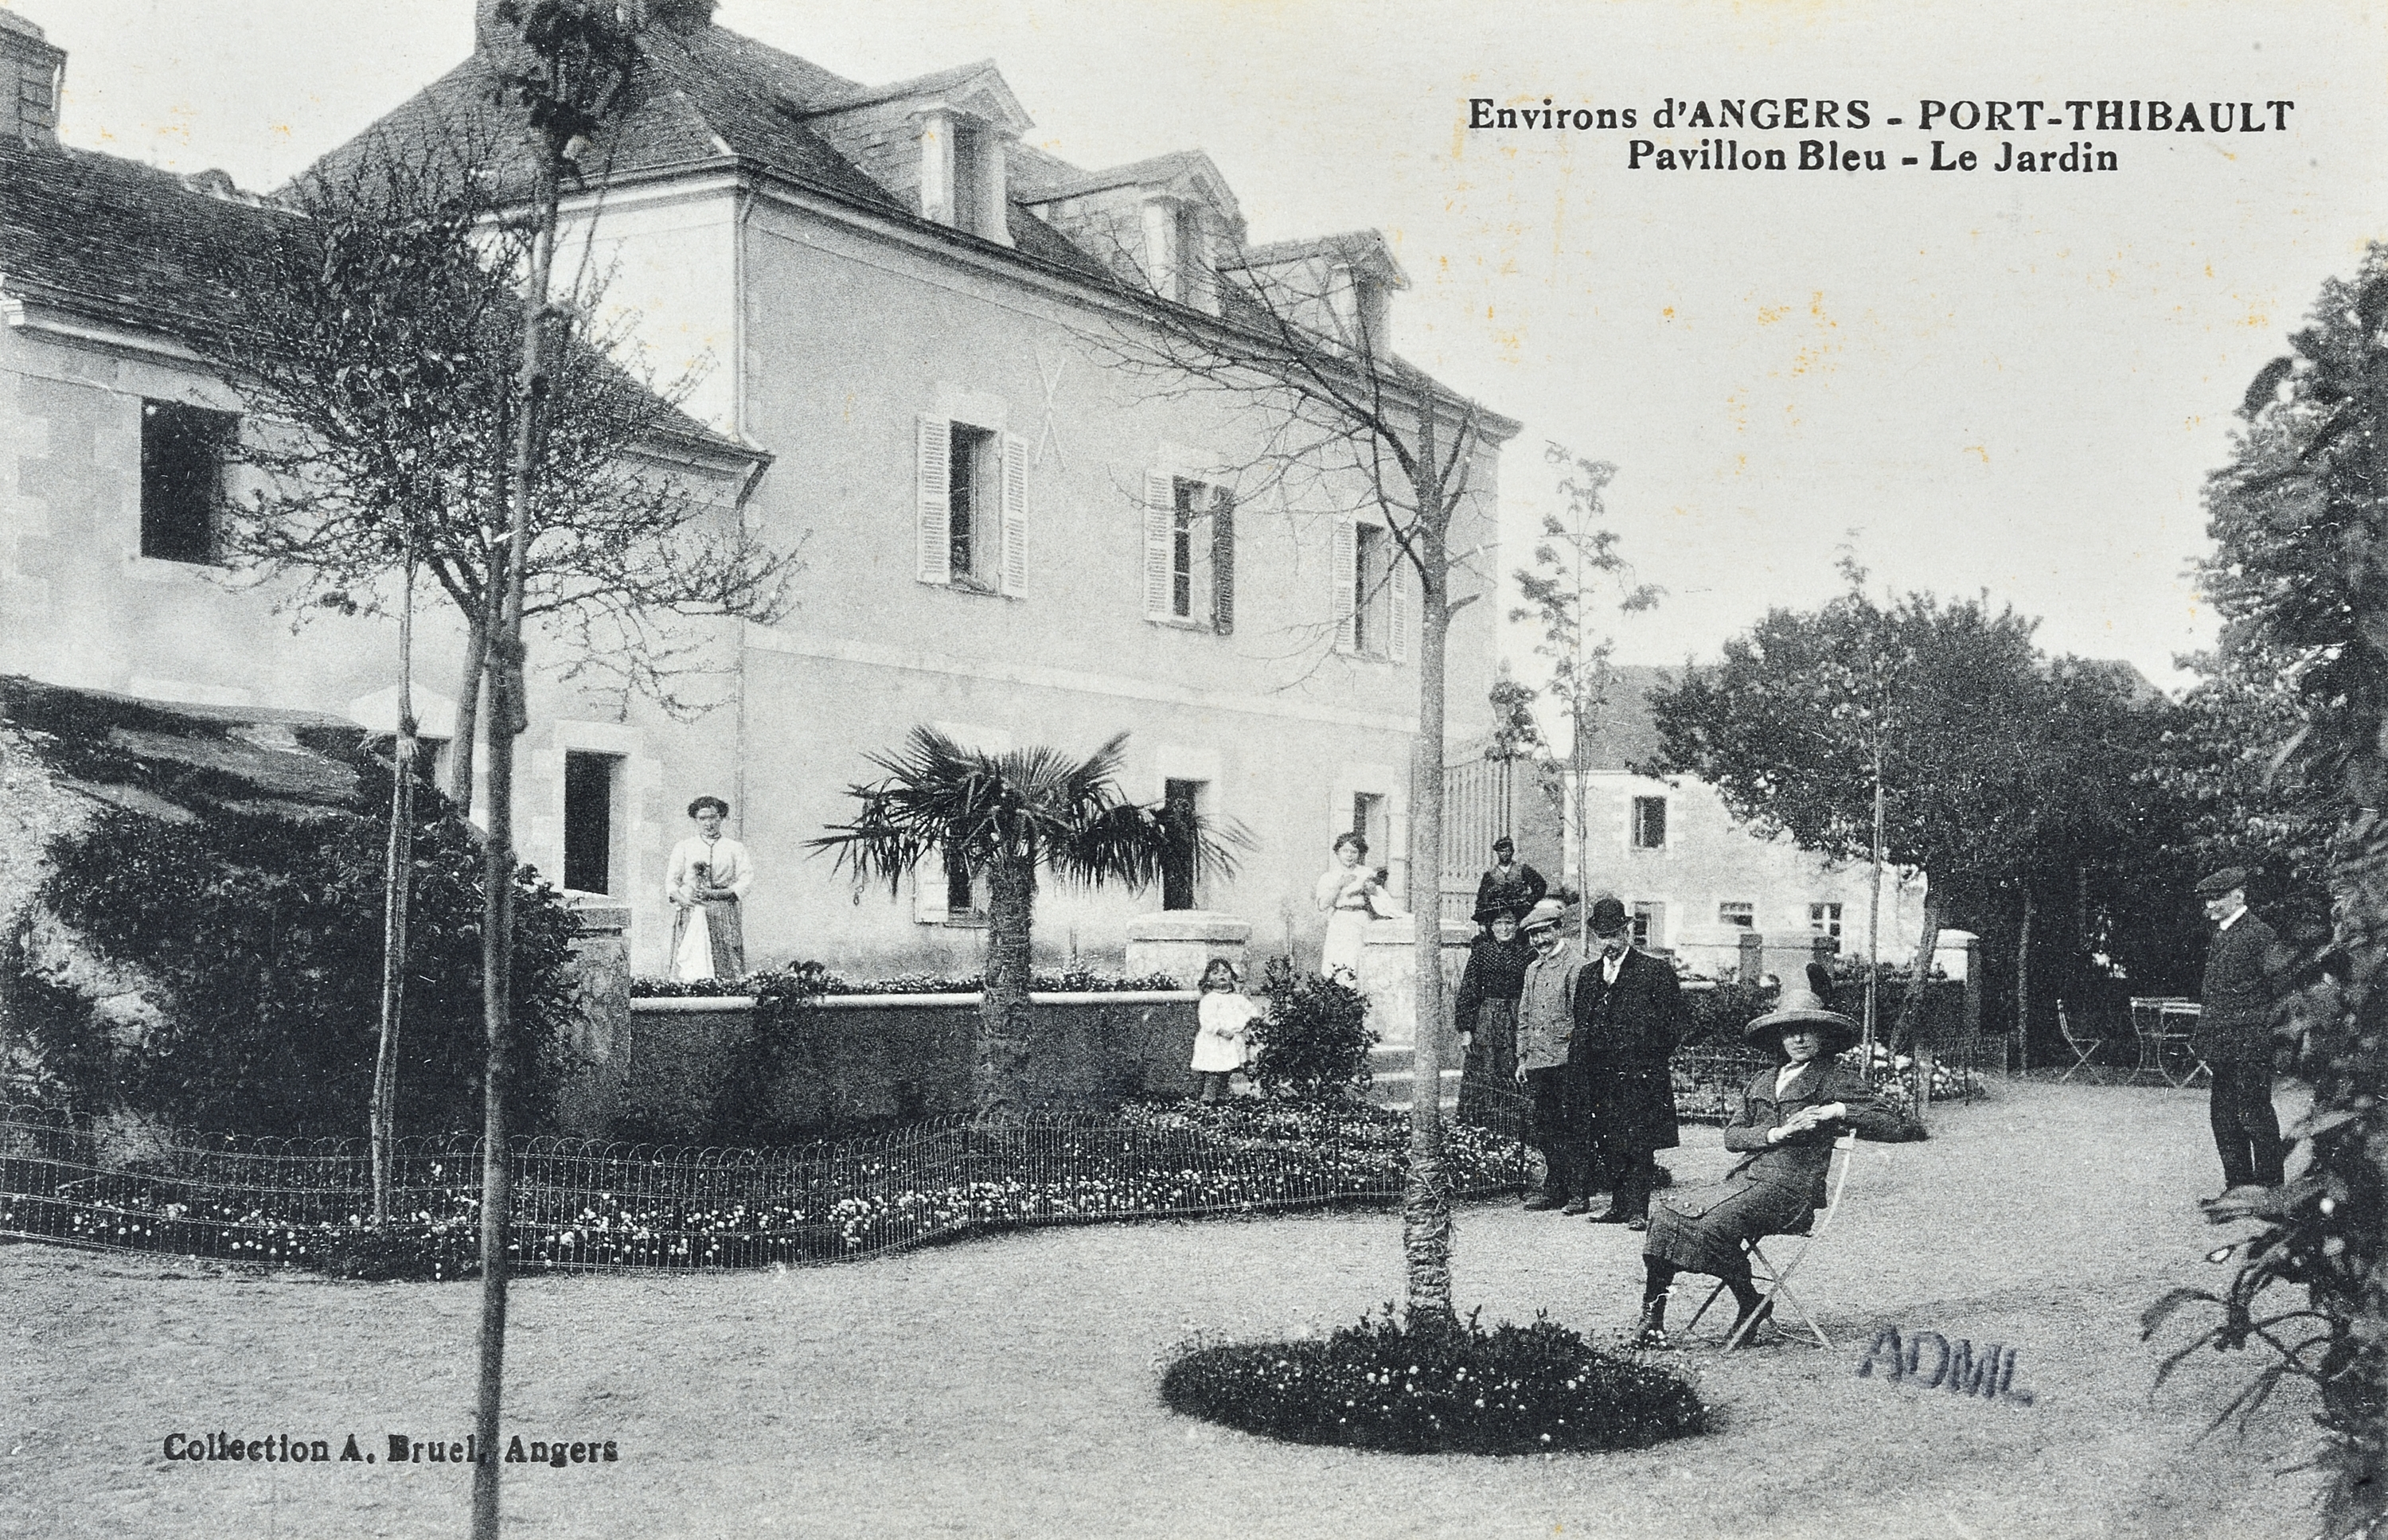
(2236,915)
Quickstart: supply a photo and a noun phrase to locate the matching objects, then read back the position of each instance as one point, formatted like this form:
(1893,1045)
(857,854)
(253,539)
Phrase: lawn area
(1006,1386)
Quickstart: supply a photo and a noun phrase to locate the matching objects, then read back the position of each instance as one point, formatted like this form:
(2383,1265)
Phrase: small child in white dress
(1222,1022)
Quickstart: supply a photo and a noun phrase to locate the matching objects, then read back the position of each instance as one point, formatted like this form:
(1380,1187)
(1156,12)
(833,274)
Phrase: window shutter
(932,455)
(1015,515)
(1159,525)
(1397,605)
(1344,568)
(929,890)
(1223,562)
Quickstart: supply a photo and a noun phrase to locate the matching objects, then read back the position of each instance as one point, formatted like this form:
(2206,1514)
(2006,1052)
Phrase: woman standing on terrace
(705,882)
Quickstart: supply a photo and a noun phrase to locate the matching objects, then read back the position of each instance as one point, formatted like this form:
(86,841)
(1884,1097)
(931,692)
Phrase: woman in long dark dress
(1486,1015)
(1789,1117)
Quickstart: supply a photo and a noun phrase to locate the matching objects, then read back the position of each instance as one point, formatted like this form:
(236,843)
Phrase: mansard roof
(112,240)
(710,97)
(116,240)
(707,97)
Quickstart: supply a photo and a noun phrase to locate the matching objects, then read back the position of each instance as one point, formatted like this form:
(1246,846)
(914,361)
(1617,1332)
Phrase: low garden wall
(696,1070)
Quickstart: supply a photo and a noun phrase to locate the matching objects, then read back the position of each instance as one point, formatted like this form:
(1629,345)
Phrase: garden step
(1390,1065)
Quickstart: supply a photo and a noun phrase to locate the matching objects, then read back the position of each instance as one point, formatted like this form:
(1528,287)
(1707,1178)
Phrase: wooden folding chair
(1778,1279)
(2085,1048)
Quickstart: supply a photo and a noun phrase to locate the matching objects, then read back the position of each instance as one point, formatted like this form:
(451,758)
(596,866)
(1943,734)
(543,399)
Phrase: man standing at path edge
(1545,1022)
(1628,1016)
(2234,1034)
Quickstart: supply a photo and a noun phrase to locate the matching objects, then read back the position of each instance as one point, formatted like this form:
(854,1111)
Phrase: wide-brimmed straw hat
(1803,1008)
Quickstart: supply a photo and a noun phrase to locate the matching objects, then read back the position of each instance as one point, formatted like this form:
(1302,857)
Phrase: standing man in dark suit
(2234,1033)
(1629,1015)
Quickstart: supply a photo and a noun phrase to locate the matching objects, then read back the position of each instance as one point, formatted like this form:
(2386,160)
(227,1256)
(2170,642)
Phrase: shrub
(1314,1042)
(1715,1017)
(265,930)
(1437,1386)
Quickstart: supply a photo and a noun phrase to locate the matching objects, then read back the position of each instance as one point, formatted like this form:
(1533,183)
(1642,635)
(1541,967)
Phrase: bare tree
(1293,341)
(1577,564)
(373,337)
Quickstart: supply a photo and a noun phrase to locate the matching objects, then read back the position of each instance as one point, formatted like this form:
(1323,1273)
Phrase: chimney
(30,73)
(680,16)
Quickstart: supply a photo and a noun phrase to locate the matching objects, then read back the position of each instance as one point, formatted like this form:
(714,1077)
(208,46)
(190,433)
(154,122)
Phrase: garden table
(2150,1027)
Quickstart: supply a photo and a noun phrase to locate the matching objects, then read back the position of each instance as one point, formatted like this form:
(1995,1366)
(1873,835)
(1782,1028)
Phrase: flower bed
(1437,1387)
(810,979)
(584,1205)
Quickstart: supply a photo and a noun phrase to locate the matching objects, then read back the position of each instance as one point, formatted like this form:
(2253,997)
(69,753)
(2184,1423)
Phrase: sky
(1979,381)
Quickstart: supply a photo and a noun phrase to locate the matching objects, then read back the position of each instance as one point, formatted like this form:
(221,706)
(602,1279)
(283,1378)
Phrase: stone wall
(856,1062)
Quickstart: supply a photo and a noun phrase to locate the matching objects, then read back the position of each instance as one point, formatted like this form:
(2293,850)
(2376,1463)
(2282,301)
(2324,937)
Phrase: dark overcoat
(1624,1034)
(2243,972)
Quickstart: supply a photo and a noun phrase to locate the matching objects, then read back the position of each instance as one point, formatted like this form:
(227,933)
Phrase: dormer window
(943,138)
(1180,242)
(962,175)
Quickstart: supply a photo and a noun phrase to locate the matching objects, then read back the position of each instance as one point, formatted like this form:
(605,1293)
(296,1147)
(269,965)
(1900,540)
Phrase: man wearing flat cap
(2234,1032)
(1545,1025)
(1508,885)
(1628,1018)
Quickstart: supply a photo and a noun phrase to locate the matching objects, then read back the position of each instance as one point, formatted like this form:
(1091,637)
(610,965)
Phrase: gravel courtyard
(1006,1386)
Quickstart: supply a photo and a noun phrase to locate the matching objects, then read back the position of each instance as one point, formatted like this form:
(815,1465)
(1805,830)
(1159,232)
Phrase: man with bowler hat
(2234,1033)
(1546,1023)
(1628,1018)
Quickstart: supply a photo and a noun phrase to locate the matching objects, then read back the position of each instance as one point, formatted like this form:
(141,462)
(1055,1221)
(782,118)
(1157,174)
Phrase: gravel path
(1006,1386)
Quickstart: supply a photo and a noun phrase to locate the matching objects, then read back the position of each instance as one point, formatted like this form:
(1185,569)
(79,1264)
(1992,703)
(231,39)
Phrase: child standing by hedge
(1221,1021)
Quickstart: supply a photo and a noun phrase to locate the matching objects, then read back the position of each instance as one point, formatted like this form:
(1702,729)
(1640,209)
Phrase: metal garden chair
(2084,1047)
(1777,1278)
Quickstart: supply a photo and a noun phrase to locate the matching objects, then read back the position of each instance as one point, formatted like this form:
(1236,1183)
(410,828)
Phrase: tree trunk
(1426,1196)
(2023,983)
(1003,1012)
(397,886)
(468,712)
(509,715)
(1910,1007)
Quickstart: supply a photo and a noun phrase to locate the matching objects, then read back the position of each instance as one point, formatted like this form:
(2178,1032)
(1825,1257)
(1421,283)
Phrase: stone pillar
(1750,961)
(1388,974)
(600,1026)
(1710,950)
(600,968)
(1181,942)
(1788,959)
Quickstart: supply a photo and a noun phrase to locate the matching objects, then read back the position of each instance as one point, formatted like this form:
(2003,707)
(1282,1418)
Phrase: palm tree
(1007,815)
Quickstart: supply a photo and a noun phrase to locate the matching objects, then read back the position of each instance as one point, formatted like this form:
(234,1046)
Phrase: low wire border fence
(580,1204)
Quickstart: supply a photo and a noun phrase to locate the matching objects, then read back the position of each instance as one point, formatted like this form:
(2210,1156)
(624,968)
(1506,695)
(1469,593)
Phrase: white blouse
(726,861)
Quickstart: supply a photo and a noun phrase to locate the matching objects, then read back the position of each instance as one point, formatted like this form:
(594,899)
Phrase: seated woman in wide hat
(1789,1117)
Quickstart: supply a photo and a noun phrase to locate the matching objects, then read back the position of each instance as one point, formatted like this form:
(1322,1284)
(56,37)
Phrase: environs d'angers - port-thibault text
(1772,116)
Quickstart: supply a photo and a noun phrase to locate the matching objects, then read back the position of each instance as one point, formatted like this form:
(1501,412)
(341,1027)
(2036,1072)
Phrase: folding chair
(2084,1048)
(1778,1279)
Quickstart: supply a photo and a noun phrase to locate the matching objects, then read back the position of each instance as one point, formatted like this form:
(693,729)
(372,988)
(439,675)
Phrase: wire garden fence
(582,1204)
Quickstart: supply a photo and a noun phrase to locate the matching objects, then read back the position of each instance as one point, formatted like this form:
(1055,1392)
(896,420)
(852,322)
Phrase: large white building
(898,312)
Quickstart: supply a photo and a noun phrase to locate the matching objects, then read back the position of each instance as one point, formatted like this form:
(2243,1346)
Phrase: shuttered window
(1223,563)
(1190,552)
(972,507)
(1373,602)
